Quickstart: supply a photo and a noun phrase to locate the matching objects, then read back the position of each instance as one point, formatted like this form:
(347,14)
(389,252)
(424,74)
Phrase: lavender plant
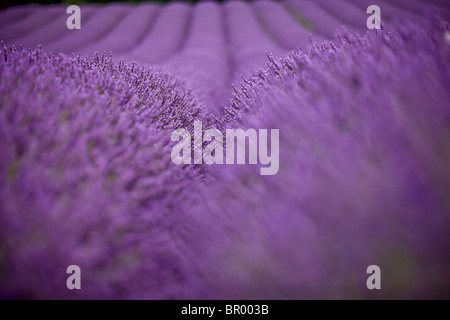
(86,176)
(364,176)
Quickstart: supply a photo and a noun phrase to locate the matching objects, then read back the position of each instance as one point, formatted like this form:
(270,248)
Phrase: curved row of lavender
(364,173)
(86,176)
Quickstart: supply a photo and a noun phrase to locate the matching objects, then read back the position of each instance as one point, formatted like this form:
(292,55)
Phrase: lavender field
(87,179)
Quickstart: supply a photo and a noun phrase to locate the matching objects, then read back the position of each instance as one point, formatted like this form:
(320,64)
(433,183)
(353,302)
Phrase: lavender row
(311,15)
(17,27)
(86,176)
(249,44)
(364,176)
(165,37)
(127,33)
(98,26)
(346,12)
(205,57)
(14,14)
(53,30)
(282,25)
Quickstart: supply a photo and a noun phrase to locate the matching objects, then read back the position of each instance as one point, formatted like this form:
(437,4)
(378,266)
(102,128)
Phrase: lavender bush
(364,173)
(86,176)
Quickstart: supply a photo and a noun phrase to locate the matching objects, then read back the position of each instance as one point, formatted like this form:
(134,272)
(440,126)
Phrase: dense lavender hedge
(364,173)
(86,176)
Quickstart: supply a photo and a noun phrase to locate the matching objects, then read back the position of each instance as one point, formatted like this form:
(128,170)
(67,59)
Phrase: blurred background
(9,3)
